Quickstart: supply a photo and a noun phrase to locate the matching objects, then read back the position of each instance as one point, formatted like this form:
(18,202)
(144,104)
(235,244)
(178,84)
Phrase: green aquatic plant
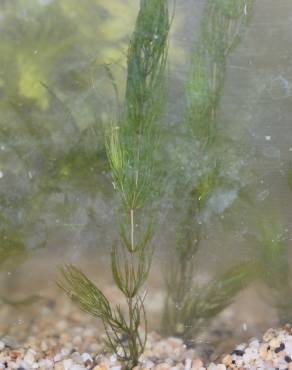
(130,148)
(274,265)
(185,314)
(289,178)
(274,260)
(222,26)
(188,307)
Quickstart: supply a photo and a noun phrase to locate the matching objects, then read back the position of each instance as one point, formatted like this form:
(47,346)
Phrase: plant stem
(132,340)
(132,229)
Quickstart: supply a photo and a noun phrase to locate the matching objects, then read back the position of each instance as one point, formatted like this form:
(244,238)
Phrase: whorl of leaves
(91,300)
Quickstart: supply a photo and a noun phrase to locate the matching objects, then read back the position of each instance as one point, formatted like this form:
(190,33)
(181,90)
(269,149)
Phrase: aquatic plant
(130,147)
(289,178)
(187,306)
(274,258)
(274,265)
(222,26)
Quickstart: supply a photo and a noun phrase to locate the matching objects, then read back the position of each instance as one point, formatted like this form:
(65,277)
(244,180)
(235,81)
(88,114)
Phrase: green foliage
(12,251)
(290,178)
(275,266)
(91,300)
(274,254)
(274,260)
(191,310)
(82,291)
(146,68)
(187,308)
(222,25)
(130,145)
(130,152)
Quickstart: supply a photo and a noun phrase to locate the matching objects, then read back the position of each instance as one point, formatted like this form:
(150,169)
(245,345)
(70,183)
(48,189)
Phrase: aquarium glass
(145,178)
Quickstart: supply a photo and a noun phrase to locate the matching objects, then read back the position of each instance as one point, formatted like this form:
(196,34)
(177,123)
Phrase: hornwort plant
(130,147)
(274,263)
(187,307)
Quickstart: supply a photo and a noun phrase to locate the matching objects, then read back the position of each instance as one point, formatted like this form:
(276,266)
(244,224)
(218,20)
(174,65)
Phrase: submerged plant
(274,259)
(275,267)
(130,147)
(188,307)
(199,305)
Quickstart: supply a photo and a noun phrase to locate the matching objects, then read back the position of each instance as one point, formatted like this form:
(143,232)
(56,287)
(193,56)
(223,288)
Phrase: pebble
(68,364)
(188,364)
(46,364)
(29,358)
(197,364)
(77,367)
(149,365)
(59,366)
(86,357)
(162,366)
(115,368)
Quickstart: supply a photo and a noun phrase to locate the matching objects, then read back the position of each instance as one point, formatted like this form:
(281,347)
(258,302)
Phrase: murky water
(60,63)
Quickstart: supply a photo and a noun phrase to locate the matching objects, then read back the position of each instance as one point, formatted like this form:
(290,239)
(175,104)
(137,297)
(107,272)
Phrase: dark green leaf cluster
(146,67)
(128,277)
(91,300)
(131,142)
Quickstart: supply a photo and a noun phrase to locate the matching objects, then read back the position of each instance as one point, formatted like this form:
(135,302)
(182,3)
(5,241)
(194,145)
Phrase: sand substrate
(273,351)
(57,335)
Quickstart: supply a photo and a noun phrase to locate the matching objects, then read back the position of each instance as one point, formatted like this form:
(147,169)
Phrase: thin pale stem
(132,230)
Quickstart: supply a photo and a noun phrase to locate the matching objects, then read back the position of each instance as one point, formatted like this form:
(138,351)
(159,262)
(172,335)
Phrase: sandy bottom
(52,333)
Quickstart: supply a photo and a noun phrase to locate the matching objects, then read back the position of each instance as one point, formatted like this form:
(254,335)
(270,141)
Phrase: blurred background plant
(189,307)
(275,266)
